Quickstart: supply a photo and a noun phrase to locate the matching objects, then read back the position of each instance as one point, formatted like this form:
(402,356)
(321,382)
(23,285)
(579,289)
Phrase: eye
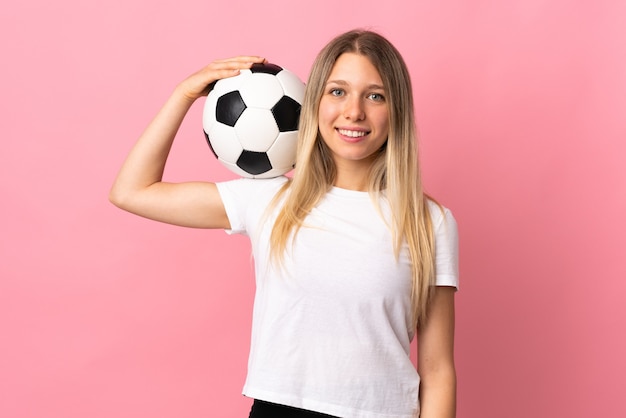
(377,97)
(336,92)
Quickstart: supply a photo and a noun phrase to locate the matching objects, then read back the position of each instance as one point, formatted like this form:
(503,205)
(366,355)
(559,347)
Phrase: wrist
(182,95)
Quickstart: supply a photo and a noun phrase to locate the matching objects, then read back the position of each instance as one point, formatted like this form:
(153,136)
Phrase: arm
(436,357)
(139,188)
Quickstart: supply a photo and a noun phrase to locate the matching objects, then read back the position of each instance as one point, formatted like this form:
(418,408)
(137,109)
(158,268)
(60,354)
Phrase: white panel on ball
(261,90)
(256,129)
(208,117)
(227,84)
(228,147)
(292,85)
(283,148)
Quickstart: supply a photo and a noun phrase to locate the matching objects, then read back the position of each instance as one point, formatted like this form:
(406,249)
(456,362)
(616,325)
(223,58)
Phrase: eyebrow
(345,83)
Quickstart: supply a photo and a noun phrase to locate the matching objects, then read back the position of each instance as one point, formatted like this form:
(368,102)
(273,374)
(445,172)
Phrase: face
(353,112)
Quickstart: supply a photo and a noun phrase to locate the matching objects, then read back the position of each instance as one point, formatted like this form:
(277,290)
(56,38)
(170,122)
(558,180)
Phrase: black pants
(262,409)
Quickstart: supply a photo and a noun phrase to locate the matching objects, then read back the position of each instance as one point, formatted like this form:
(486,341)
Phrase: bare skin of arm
(139,187)
(436,358)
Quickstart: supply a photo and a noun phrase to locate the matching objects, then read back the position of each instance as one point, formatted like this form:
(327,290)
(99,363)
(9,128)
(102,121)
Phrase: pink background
(521,111)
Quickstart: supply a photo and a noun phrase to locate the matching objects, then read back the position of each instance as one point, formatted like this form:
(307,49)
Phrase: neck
(352,177)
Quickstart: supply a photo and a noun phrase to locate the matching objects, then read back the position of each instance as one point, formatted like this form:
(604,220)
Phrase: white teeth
(352,134)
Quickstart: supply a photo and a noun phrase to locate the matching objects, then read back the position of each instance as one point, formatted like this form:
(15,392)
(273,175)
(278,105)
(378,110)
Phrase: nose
(353,109)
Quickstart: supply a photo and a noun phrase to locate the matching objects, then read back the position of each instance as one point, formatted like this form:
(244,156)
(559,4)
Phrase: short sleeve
(245,200)
(446,247)
(234,204)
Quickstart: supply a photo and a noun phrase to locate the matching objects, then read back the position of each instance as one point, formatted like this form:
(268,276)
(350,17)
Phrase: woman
(351,258)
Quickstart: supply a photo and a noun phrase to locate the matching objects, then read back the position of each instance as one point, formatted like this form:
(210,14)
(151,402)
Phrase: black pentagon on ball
(229,108)
(286,113)
(265,68)
(254,162)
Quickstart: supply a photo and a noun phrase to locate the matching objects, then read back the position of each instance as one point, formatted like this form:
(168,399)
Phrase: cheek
(323,112)
(326,117)
(382,122)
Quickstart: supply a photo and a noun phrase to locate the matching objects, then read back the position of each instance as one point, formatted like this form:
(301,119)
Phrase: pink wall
(521,110)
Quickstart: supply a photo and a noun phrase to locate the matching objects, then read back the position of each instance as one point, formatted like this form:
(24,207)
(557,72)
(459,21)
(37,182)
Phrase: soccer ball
(250,121)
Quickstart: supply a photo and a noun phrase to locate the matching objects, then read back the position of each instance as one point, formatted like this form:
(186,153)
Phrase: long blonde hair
(394,171)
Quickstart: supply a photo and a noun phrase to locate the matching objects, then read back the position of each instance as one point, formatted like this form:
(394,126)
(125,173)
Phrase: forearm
(438,395)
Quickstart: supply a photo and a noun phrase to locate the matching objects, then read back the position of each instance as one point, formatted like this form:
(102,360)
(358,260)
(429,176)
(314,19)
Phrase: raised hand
(200,83)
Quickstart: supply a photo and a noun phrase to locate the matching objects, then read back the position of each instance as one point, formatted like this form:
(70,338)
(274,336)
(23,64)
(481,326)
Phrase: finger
(238,63)
(220,69)
(243,59)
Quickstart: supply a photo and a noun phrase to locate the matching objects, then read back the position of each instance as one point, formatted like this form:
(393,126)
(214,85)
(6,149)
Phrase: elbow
(115,198)
(442,375)
(118,197)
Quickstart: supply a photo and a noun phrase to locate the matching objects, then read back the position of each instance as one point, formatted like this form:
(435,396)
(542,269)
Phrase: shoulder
(439,214)
(251,187)
(245,200)
(446,237)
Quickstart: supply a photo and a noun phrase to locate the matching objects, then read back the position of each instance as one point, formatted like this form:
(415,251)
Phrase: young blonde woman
(352,259)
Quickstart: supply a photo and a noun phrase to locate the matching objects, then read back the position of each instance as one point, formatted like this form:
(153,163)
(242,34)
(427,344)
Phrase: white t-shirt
(331,327)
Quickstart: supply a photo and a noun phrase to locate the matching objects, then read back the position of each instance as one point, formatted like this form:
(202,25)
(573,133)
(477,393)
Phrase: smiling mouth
(351,133)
